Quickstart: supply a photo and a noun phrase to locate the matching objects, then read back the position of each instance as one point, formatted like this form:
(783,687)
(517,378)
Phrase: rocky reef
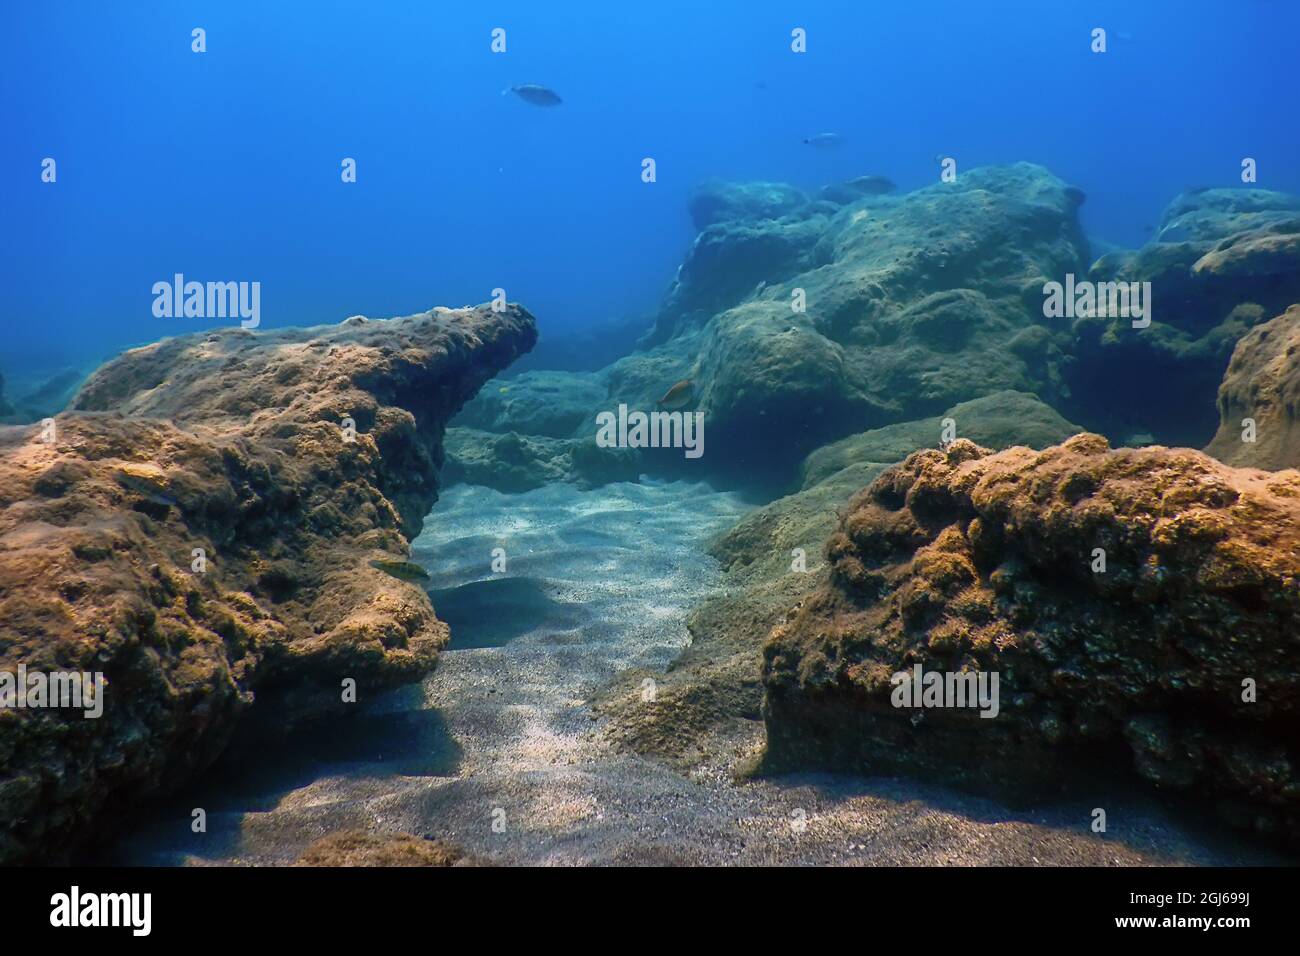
(1222,262)
(802,320)
(217,518)
(1136,602)
(835,318)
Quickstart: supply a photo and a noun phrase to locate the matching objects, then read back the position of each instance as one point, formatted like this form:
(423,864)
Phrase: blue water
(226,165)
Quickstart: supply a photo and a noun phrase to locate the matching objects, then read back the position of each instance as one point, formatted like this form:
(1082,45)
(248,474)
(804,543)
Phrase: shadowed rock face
(1223,261)
(236,444)
(967,560)
(1262,383)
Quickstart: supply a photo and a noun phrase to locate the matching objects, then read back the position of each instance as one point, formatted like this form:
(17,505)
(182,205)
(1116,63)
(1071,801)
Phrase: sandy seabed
(500,753)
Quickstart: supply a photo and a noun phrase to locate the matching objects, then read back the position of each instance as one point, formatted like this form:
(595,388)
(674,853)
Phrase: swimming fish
(825,141)
(679,396)
(537,95)
(148,486)
(402,570)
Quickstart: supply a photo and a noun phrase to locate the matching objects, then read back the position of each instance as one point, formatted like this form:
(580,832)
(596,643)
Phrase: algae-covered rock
(220,517)
(546,403)
(772,559)
(1136,602)
(1259,397)
(719,201)
(800,330)
(1222,262)
(512,462)
(852,190)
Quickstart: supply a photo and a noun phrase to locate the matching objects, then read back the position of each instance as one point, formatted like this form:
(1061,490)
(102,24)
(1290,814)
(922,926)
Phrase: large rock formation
(1222,262)
(220,516)
(1262,386)
(1180,653)
(914,303)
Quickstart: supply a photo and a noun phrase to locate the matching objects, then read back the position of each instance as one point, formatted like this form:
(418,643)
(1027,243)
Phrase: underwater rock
(1222,262)
(33,397)
(364,848)
(584,349)
(1173,654)
(210,523)
(852,190)
(917,303)
(511,462)
(714,687)
(799,331)
(1259,397)
(717,201)
(730,260)
(548,403)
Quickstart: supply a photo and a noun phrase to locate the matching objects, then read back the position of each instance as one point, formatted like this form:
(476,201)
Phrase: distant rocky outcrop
(801,321)
(719,201)
(40,396)
(217,517)
(551,404)
(1259,398)
(854,189)
(1222,262)
(1178,652)
(511,462)
(801,328)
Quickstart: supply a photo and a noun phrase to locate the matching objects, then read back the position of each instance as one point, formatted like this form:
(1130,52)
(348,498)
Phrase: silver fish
(825,141)
(537,95)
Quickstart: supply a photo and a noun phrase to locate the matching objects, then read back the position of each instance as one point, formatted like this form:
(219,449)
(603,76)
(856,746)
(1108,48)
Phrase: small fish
(537,95)
(679,396)
(402,570)
(503,389)
(825,141)
(147,489)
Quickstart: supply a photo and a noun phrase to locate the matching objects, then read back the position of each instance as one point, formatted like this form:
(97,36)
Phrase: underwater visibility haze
(691,434)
